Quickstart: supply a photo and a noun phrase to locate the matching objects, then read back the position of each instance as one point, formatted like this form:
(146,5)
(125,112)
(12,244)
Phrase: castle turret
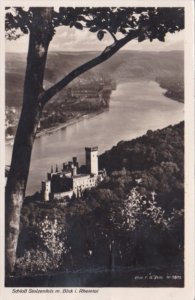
(74,159)
(92,160)
(75,162)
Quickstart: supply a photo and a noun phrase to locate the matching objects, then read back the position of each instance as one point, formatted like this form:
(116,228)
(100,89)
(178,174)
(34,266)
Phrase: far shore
(61,126)
(85,115)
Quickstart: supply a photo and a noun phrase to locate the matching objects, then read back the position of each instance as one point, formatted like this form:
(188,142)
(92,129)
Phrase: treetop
(147,22)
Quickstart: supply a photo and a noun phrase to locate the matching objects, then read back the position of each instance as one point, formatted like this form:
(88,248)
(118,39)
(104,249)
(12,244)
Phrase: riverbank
(62,126)
(173,86)
(72,121)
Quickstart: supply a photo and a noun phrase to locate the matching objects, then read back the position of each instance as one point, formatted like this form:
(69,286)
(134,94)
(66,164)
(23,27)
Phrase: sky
(71,39)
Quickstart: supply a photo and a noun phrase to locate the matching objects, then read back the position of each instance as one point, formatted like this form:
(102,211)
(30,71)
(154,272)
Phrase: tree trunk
(41,33)
(40,36)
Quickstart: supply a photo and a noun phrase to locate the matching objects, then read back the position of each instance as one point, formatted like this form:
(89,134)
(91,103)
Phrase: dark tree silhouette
(123,24)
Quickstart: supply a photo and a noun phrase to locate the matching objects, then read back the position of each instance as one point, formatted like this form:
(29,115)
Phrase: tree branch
(112,34)
(106,54)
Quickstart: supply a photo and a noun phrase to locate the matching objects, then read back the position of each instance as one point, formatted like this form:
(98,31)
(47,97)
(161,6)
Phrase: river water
(135,107)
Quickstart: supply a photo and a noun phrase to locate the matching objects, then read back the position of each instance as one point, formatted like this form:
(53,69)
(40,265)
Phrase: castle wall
(81,183)
(59,196)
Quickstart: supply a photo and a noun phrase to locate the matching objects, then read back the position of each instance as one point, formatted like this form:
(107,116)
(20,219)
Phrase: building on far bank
(72,179)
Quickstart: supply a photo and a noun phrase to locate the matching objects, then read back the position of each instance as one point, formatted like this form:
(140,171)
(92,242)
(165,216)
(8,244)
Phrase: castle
(72,179)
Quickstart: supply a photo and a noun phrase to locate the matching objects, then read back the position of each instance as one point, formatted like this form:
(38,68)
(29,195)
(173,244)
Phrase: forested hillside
(153,162)
(132,222)
(124,66)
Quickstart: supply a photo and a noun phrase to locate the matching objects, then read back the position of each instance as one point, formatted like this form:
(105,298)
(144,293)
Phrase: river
(135,107)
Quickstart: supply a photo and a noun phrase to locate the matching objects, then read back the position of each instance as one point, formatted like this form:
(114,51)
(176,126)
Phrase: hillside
(131,224)
(146,151)
(125,65)
(153,162)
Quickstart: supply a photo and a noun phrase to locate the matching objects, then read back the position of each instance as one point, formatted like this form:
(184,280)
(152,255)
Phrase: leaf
(123,30)
(78,25)
(100,34)
(171,30)
(89,23)
(24,30)
(141,38)
(71,24)
(81,18)
(93,29)
(161,38)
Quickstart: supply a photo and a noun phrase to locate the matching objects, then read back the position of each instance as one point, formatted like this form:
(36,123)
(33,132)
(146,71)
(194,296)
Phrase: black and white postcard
(97,149)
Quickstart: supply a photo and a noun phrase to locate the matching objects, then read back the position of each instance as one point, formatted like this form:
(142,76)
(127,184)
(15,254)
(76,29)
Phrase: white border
(186,293)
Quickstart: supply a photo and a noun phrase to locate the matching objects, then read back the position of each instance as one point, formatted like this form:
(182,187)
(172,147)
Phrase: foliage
(136,207)
(133,218)
(147,151)
(50,234)
(47,253)
(149,22)
(174,86)
(35,261)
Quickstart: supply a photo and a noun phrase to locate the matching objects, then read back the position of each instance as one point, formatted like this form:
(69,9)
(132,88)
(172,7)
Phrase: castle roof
(91,148)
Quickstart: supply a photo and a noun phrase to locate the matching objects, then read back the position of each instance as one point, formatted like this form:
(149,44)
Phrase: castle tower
(74,171)
(46,190)
(92,160)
